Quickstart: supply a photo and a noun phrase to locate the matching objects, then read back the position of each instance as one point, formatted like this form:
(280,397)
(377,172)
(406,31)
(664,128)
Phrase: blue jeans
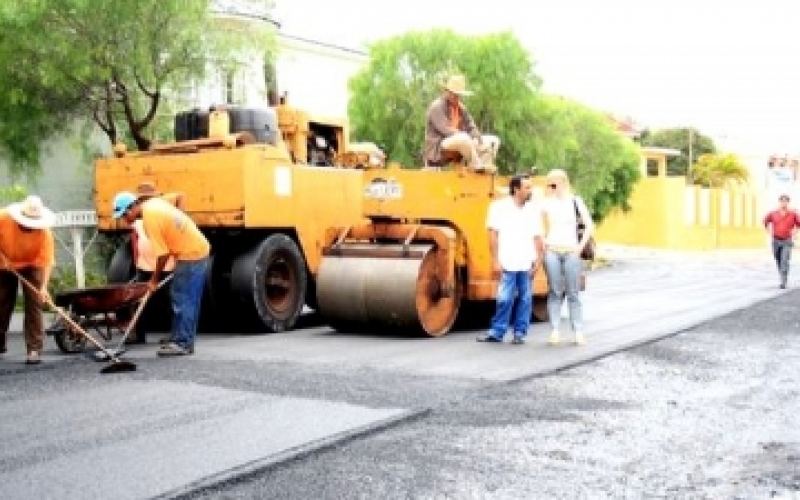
(782,250)
(514,286)
(563,272)
(188,282)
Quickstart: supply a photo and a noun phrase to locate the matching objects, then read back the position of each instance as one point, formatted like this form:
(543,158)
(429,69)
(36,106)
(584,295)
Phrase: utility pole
(691,156)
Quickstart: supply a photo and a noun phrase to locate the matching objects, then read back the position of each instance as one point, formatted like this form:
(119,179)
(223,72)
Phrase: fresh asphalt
(285,416)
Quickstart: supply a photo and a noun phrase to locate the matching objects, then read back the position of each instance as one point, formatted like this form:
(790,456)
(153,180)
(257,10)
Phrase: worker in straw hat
(26,247)
(450,126)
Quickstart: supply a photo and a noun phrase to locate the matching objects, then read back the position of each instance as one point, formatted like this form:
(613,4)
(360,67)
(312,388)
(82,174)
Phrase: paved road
(263,398)
(708,414)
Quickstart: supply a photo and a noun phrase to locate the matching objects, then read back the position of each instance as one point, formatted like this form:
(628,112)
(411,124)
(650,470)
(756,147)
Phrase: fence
(667,213)
(76,222)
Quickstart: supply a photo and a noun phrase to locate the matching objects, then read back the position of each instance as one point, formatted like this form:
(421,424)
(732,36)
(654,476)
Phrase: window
(271,80)
(233,85)
(652,167)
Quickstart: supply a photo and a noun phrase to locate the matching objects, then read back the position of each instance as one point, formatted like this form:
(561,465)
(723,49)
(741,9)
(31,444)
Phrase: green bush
(11,194)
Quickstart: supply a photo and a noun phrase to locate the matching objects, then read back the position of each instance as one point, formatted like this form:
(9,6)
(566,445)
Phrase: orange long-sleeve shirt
(25,248)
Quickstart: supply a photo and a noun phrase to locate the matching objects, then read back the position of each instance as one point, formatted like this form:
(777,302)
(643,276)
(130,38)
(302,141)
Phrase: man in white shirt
(515,242)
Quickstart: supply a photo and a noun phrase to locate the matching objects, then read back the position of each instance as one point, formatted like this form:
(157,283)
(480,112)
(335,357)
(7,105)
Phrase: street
(707,413)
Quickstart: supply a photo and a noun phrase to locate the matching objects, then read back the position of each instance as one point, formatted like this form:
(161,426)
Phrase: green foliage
(11,194)
(718,170)
(678,138)
(64,279)
(390,97)
(391,94)
(111,62)
(603,166)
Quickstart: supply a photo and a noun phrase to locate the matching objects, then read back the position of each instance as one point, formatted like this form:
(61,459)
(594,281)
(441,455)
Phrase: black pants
(157,314)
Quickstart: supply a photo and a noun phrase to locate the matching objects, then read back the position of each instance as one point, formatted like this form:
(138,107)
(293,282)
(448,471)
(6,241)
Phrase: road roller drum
(386,287)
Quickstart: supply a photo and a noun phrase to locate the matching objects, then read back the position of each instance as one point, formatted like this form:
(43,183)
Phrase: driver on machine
(450,127)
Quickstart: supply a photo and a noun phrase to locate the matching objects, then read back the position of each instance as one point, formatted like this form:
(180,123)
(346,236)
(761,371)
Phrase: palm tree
(712,170)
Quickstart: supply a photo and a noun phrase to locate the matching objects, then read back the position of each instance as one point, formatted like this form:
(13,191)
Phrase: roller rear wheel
(270,281)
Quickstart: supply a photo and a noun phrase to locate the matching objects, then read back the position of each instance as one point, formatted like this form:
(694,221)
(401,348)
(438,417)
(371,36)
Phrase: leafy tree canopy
(390,97)
(391,94)
(679,138)
(112,63)
(712,170)
(601,163)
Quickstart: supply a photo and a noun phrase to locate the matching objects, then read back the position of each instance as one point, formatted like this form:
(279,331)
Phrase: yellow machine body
(308,218)
(422,260)
(250,187)
(265,207)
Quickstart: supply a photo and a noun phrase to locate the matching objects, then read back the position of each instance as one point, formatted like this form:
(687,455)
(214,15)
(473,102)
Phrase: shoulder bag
(588,250)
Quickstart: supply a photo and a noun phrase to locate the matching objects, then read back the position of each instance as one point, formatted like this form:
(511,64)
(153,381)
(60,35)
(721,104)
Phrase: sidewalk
(624,252)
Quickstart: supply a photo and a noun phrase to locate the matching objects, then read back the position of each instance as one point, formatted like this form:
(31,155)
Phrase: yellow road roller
(296,215)
(263,184)
(421,260)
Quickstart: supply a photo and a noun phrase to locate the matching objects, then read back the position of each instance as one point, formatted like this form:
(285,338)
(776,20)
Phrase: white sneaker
(554,338)
(579,338)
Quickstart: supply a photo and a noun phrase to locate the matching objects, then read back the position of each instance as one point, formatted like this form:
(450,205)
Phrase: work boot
(173,349)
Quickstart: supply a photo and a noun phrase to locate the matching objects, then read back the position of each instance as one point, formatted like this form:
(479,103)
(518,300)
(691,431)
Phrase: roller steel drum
(375,288)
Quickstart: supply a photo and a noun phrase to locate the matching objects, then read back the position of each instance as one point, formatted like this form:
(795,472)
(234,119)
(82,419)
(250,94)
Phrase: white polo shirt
(516,227)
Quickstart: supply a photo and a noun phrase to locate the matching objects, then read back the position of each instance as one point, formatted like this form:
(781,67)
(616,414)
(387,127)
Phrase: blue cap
(122,202)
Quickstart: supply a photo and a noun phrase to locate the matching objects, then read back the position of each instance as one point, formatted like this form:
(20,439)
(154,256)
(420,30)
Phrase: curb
(290,455)
(626,346)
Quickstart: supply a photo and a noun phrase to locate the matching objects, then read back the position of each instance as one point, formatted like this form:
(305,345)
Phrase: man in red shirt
(782,224)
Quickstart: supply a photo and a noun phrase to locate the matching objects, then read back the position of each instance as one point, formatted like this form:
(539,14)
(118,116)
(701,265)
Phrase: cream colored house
(311,73)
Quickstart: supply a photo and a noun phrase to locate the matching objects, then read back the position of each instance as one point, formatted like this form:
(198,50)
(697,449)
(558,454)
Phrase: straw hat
(457,84)
(32,213)
(147,189)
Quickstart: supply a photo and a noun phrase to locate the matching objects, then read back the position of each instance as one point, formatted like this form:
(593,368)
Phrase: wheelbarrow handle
(139,310)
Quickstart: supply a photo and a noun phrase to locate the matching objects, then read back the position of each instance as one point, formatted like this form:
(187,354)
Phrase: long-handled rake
(120,350)
(116,365)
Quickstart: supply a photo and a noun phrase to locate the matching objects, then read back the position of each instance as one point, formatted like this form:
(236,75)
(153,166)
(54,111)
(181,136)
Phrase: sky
(728,68)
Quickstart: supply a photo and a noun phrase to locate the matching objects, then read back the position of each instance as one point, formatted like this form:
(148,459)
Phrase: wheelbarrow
(103,311)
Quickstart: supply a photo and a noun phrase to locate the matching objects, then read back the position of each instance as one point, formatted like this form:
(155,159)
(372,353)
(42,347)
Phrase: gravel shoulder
(709,413)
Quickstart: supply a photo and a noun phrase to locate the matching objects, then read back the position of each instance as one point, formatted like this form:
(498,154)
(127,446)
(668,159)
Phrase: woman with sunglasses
(562,261)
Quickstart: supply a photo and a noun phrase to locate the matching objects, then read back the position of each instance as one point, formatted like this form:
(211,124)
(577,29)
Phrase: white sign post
(76,221)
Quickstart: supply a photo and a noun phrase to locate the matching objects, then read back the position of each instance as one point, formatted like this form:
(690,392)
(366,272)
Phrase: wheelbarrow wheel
(68,341)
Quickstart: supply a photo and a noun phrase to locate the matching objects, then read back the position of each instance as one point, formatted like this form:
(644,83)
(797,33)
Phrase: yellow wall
(666,213)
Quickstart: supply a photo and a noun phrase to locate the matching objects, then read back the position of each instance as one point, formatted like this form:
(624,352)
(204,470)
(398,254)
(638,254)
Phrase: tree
(603,165)
(390,96)
(110,63)
(713,170)
(679,138)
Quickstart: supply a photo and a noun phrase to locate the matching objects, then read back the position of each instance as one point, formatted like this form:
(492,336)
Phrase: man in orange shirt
(28,247)
(172,233)
(450,127)
(782,224)
(145,263)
